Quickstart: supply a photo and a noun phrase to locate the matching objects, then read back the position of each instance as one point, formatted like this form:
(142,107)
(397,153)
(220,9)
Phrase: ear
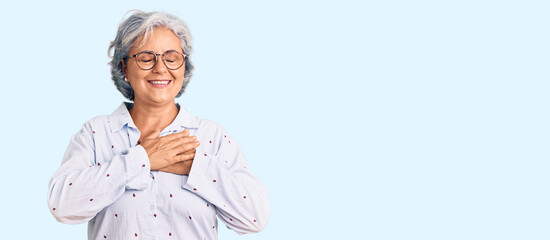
(123,67)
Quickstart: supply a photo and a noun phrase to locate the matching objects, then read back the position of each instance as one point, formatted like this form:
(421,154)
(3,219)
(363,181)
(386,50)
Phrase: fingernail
(194,137)
(197,143)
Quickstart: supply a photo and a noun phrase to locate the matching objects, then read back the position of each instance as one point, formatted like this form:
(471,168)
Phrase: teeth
(159,82)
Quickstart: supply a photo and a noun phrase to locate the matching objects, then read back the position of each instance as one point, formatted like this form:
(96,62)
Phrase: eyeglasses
(147,60)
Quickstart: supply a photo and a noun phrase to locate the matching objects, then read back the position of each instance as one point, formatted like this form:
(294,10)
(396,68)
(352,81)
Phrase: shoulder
(203,126)
(99,120)
(109,123)
(211,128)
(215,138)
(97,125)
(205,129)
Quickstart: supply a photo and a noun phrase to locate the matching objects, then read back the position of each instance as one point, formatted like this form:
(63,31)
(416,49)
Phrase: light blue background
(365,119)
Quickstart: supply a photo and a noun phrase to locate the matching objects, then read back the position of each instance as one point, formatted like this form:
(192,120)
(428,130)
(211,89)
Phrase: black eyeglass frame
(156,59)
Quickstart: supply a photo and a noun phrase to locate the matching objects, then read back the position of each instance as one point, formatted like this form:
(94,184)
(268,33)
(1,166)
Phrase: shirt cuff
(203,170)
(137,168)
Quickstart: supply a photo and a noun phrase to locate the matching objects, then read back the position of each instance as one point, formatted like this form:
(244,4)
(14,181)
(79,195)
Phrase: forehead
(157,40)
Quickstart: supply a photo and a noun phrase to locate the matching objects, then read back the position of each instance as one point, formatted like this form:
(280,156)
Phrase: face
(158,85)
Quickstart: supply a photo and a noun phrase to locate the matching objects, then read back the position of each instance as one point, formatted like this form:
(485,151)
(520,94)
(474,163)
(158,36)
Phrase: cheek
(178,81)
(179,84)
(134,74)
(179,76)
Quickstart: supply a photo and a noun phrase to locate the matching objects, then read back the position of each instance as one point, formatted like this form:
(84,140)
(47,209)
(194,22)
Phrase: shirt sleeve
(84,185)
(225,180)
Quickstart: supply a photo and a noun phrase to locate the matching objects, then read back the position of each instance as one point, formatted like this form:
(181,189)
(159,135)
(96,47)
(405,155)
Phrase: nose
(160,67)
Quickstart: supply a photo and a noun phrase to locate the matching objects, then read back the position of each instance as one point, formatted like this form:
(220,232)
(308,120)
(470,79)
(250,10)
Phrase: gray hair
(142,24)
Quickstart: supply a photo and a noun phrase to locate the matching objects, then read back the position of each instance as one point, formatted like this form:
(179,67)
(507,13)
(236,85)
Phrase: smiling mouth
(159,83)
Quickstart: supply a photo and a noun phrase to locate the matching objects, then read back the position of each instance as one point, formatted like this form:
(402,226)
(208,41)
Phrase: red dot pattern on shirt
(53,209)
(155,215)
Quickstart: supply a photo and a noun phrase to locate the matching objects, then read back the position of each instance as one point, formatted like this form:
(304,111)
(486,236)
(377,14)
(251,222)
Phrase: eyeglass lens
(173,60)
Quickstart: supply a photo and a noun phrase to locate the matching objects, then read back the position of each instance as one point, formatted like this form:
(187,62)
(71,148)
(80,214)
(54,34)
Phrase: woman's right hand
(170,149)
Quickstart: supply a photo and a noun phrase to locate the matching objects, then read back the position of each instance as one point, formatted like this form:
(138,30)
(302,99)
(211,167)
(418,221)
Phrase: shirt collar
(121,117)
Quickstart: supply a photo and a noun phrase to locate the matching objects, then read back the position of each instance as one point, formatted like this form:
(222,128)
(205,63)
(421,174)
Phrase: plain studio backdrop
(364,119)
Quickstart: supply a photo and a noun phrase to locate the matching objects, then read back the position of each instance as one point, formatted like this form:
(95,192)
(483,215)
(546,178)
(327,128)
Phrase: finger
(182,148)
(155,134)
(175,136)
(186,158)
(194,150)
(189,146)
(183,140)
(179,142)
(186,139)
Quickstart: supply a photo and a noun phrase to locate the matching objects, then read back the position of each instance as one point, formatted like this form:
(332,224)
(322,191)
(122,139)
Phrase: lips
(159,83)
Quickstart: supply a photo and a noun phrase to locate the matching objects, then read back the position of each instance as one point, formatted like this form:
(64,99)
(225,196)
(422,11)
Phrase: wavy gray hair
(142,24)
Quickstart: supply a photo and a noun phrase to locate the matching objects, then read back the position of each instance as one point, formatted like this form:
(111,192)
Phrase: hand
(170,149)
(181,168)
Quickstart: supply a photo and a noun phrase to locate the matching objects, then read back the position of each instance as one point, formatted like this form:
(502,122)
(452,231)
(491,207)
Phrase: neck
(149,118)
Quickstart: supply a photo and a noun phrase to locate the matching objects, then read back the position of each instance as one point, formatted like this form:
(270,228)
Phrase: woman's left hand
(181,168)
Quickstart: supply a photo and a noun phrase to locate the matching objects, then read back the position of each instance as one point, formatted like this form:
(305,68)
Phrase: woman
(151,170)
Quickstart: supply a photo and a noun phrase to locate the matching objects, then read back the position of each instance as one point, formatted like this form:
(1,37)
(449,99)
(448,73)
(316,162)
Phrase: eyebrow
(163,52)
